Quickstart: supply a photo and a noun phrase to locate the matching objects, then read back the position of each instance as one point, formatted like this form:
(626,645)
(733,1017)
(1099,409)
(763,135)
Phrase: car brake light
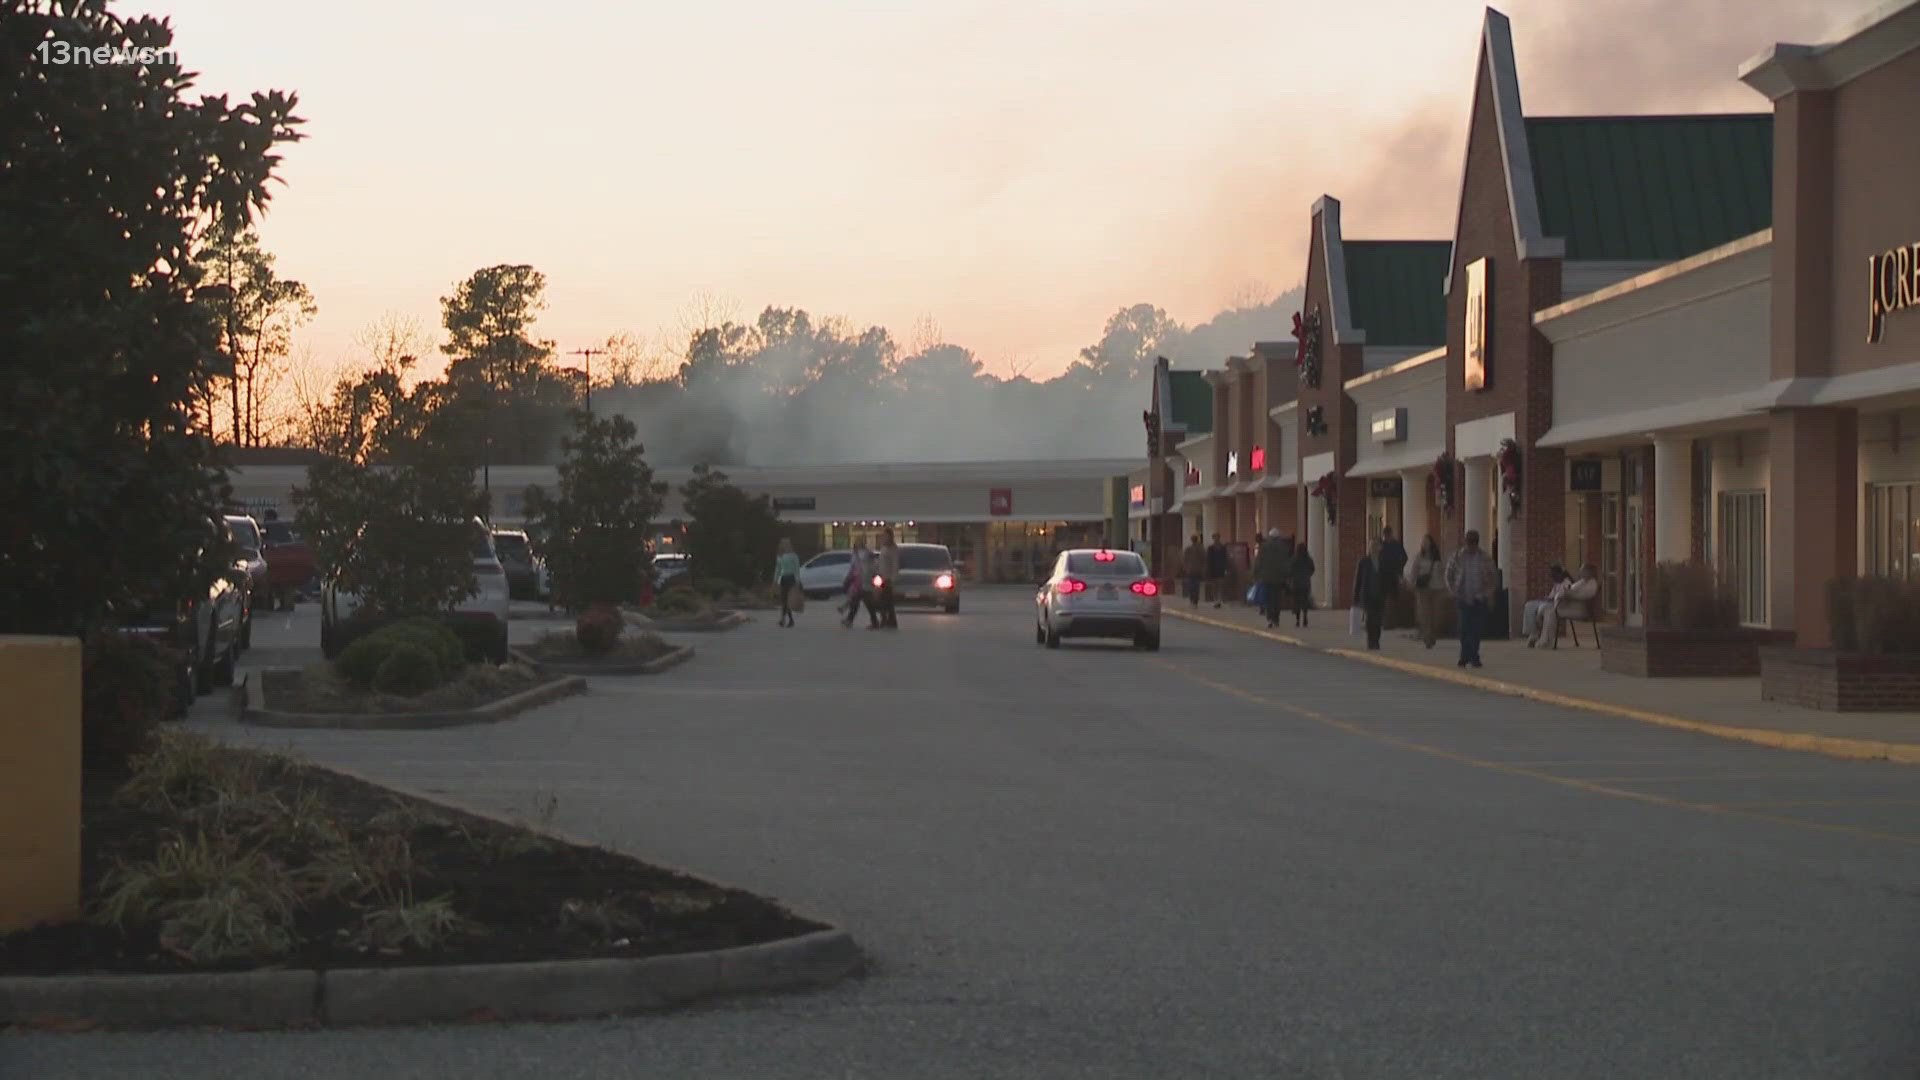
(1147,588)
(1103,556)
(944,581)
(1072,585)
(877,581)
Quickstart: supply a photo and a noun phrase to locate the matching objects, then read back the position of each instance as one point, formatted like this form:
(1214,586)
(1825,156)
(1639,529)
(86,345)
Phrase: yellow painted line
(1564,781)
(1831,745)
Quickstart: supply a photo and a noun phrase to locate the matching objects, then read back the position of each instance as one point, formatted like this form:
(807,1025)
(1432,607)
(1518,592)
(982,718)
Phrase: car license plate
(1106,592)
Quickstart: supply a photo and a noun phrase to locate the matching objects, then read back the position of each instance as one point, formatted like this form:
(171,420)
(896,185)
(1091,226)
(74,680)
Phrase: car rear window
(1111,563)
(244,534)
(510,546)
(831,558)
(279,532)
(925,558)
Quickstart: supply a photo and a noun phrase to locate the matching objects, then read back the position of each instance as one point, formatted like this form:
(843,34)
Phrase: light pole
(589,354)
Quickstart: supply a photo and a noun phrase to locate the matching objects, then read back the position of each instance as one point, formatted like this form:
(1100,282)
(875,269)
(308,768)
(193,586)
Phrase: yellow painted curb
(1831,745)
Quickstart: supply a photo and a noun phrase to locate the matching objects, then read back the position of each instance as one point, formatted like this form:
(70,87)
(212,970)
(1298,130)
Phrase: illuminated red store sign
(1259,458)
(1193,476)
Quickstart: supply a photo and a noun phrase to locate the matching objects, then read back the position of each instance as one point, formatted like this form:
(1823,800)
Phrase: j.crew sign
(1893,285)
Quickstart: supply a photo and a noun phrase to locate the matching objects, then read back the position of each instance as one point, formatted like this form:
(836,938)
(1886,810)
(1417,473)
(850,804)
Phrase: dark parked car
(205,630)
(927,576)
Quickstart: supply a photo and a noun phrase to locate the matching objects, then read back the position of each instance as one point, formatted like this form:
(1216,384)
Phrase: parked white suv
(481,617)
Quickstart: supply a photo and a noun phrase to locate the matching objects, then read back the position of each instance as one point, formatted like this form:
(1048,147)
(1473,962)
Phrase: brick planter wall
(1653,653)
(1840,682)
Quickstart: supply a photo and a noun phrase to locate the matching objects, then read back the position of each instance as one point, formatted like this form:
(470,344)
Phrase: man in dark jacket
(1193,568)
(1270,570)
(1217,568)
(1369,592)
(1392,564)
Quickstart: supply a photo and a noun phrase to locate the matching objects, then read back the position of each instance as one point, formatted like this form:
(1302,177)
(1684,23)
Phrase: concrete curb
(726,621)
(1830,745)
(673,657)
(256,711)
(539,989)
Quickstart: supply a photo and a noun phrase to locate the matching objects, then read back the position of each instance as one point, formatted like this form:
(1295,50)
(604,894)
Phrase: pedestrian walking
(1428,576)
(887,568)
(1216,568)
(1270,570)
(1473,580)
(786,578)
(1392,564)
(1369,593)
(1193,568)
(860,586)
(1300,581)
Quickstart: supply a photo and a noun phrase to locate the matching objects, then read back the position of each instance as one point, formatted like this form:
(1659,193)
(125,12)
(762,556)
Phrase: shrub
(409,668)
(128,684)
(362,662)
(1875,615)
(598,629)
(213,901)
(1689,596)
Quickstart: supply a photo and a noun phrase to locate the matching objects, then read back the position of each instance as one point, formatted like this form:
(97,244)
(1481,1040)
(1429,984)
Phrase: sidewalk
(1729,708)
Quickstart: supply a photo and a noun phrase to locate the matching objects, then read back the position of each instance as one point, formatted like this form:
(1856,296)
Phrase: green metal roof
(1395,290)
(1652,187)
(1192,402)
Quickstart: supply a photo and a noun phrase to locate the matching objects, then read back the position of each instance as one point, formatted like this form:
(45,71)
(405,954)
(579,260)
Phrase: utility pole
(589,354)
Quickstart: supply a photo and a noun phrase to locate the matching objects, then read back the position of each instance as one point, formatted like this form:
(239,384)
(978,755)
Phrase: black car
(206,631)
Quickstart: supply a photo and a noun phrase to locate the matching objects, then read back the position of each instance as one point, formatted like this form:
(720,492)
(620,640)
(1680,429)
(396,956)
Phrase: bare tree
(394,341)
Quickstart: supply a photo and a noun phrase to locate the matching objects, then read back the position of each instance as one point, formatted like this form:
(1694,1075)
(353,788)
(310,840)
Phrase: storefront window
(1893,537)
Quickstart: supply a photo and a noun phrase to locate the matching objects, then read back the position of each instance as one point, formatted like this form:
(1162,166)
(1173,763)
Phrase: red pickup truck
(290,564)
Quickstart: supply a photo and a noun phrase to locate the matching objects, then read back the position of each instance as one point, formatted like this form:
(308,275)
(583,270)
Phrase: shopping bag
(1253,595)
(1356,620)
(798,601)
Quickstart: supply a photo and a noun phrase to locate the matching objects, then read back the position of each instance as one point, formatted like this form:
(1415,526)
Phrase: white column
(1672,498)
(1413,507)
(1317,544)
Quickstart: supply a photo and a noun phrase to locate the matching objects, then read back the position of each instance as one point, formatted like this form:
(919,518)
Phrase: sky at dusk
(1013,171)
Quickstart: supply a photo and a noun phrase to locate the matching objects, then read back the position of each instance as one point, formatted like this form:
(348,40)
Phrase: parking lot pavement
(1224,860)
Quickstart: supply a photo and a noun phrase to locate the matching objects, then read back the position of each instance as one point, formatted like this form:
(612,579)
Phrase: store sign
(1893,284)
(793,502)
(1193,476)
(1585,475)
(1137,495)
(1383,487)
(1233,463)
(1479,283)
(1389,425)
(1258,460)
(1000,502)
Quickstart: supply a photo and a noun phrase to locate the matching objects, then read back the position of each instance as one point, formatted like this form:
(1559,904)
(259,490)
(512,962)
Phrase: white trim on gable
(1333,262)
(1516,157)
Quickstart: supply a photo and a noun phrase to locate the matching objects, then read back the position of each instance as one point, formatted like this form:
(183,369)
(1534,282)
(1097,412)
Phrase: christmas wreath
(1507,460)
(1306,355)
(1441,482)
(1327,488)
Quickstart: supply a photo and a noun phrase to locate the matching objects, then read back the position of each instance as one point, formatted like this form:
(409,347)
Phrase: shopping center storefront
(1002,519)
(1658,338)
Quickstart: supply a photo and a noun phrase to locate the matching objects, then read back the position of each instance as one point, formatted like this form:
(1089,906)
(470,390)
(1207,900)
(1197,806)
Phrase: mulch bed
(524,896)
(318,690)
(631,648)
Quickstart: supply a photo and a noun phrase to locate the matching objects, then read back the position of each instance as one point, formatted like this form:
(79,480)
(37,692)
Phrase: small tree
(597,521)
(730,535)
(392,515)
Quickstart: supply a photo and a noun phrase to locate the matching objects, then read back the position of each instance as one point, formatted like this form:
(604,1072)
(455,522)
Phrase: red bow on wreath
(1442,481)
(1300,341)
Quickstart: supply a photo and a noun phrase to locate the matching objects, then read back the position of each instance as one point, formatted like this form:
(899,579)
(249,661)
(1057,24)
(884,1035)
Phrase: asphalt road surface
(1229,859)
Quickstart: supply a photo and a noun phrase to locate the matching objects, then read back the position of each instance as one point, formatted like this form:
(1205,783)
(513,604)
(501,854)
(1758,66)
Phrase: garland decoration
(1441,482)
(1507,460)
(1306,355)
(1327,488)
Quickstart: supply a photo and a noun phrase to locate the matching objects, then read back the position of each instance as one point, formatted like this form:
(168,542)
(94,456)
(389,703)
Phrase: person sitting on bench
(1574,602)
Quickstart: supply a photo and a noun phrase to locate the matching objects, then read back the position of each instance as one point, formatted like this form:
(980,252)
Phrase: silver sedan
(1093,592)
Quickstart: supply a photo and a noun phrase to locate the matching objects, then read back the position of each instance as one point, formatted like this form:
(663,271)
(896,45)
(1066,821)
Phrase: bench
(1569,613)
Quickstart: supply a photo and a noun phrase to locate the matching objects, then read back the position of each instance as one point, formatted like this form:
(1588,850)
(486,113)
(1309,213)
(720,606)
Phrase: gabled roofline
(1516,157)
(1879,37)
(1333,262)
